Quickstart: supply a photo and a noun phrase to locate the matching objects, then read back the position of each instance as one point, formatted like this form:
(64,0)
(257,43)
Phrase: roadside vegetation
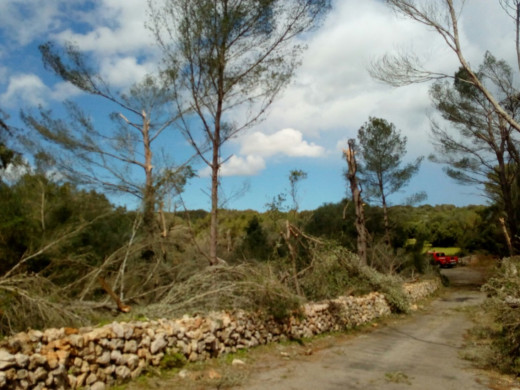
(61,246)
(70,257)
(495,341)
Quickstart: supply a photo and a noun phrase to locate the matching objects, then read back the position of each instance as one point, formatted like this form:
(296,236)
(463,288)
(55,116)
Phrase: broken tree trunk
(358,202)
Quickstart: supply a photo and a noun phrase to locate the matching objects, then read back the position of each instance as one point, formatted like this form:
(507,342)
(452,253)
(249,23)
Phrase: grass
(397,377)
(449,251)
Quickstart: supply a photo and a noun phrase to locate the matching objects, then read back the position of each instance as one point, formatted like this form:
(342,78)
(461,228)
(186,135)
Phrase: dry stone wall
(93,358)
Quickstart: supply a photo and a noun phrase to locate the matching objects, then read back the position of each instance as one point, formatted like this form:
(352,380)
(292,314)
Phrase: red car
(442,260)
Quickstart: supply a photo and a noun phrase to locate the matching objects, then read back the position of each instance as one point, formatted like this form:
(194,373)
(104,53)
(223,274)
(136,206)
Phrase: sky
(330,97)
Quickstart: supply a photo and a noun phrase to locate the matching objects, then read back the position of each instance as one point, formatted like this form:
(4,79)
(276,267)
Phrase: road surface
(419,352)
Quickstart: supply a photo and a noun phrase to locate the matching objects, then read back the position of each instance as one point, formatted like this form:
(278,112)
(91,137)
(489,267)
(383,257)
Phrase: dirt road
(420,352)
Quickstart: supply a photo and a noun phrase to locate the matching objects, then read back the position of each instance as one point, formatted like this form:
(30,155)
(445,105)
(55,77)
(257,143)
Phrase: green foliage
(479,147)
(295,177)
(36,211)
(172,360)
(7,155)
(339,272)
(503,290)
(382,150)
(330,277)
(255,244)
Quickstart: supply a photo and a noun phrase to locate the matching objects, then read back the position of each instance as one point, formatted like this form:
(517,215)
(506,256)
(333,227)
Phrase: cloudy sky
(331,96)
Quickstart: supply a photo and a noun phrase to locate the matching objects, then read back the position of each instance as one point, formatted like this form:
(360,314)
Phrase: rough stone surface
(98,357)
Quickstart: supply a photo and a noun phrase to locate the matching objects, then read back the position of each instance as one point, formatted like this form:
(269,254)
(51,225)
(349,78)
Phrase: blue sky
(306,128)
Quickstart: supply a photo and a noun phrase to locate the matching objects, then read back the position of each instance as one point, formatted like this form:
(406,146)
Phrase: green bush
(339,272)
(503,291)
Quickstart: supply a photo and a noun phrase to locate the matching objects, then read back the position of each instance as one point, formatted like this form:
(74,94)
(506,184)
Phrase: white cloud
(258,146)
(118,27)
(333,89)
(63,91)
(288,142)
(238,166)
(29,90)
(25,20)
(122,72)
(124,49)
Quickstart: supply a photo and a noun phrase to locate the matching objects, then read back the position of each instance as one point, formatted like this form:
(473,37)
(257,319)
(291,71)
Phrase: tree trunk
(517,30)
(386,219)
(506,235)
(293,254)
(149,190)
(215,165)
(358,202)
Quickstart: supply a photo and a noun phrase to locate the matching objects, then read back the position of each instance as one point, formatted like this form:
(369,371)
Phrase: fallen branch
(120,305)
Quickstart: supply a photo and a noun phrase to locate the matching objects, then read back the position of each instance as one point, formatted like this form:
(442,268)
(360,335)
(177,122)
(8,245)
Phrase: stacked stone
(419,290)
(95,357)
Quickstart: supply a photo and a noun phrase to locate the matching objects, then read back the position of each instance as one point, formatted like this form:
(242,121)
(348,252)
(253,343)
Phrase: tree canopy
(228,60)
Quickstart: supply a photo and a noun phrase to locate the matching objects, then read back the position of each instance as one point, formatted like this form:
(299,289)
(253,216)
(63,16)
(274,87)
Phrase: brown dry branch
(120,305)
(33,301)
(245,286)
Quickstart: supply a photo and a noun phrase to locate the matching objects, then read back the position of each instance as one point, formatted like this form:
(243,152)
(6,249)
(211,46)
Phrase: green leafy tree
(7,155)
(56,225)
(295,178)
(381,149)
(228,61)
(479,147)
(256,244)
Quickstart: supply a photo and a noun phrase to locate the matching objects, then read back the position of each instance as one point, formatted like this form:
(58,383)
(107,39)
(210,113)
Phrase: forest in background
(61,246)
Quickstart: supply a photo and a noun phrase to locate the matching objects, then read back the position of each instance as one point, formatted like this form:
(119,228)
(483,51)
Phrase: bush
(339,272)
(503,290)
(251,286)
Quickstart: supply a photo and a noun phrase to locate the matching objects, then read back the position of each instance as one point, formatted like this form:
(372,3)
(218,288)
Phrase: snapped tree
(228,60)
(442,17)
(480,147)
(381,152)
(107,157)
(351,175)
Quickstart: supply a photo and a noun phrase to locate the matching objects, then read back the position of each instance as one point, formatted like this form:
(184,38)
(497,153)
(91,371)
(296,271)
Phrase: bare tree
(106,157)
(512,8)
(228,60)
(443,17)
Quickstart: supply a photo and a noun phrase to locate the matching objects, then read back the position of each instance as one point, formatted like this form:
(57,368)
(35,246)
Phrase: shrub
(339,272)
(249,286)
(503,291)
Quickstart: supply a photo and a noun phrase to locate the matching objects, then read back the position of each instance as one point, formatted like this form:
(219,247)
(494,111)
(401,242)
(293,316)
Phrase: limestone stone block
(7,360)
(159,343)
(104,359)
(123,372)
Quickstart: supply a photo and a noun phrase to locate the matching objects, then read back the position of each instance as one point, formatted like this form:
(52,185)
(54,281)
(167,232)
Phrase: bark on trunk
(386,220)
(506,235)
(149,190)
(358,202)
(213,259)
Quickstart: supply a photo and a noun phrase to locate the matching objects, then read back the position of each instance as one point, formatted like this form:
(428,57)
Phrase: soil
(419,351)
